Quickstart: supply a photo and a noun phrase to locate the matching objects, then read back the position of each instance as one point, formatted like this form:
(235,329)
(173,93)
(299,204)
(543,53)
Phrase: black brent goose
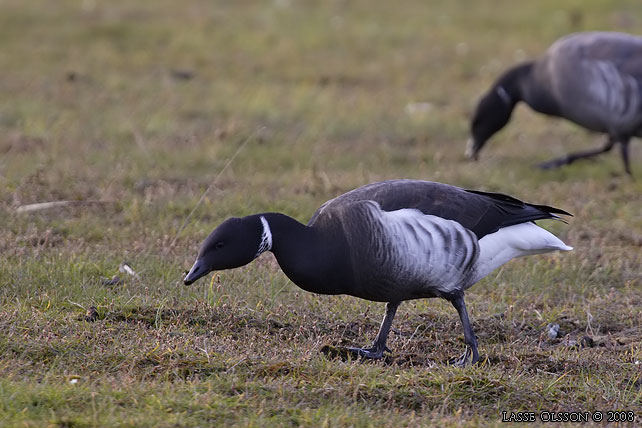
(388,242)
(593,79)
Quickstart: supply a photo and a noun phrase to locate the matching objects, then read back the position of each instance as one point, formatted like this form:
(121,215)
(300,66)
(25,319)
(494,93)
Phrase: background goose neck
(513,81)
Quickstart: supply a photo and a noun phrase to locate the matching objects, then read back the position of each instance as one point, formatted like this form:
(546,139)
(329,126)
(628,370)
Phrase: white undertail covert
(510,242)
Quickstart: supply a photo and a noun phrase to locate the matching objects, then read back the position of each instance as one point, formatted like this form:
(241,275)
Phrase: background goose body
(389,241)
(593,79)
(597,78)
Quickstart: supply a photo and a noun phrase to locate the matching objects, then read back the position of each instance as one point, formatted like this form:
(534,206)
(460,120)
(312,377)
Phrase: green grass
(92,109)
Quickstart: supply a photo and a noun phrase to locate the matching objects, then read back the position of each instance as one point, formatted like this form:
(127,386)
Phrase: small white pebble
(519,55)
(337,22)
(418,108)
(553,330)
(88,5)
(282,3)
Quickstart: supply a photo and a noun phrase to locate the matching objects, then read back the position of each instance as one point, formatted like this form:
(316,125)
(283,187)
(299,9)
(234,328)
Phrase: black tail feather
(510,211)
(516,202)
(551,210)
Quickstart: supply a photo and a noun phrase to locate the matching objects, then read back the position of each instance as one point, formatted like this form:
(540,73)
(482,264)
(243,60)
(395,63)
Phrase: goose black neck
(510,84)
(313,259)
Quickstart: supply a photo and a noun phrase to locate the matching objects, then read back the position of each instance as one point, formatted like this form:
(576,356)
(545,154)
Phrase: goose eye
(219,244)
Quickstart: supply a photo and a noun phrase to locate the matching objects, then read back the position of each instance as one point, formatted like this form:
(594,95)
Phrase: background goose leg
(624,150)
(572,157)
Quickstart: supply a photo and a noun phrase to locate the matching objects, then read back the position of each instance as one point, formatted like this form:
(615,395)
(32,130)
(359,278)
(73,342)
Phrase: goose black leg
(624,150)
(379,346)
(457,301)
(572,157)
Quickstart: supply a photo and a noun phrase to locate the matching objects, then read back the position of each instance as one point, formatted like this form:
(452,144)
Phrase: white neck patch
(504,95)
(266,238)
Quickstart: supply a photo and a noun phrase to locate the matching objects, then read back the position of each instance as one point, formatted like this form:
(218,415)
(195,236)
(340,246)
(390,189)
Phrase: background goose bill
(472,150)
(198,270)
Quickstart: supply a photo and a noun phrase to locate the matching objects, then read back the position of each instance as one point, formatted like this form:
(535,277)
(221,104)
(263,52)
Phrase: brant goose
(593,79)
(388,242)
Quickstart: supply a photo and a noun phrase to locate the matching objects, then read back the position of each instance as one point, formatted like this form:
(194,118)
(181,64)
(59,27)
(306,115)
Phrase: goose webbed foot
(373,352)
(465,359)
(457,300)
(379,346)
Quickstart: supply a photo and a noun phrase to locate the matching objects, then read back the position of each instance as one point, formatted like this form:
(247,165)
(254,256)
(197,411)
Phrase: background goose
(593,79)
(389,241)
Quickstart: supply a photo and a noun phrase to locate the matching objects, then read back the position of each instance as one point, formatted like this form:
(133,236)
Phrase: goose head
(234,243)
(492,114)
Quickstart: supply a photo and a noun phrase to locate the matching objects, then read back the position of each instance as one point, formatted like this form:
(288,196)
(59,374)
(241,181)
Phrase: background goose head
(496,106)
(492,114)
(234,243)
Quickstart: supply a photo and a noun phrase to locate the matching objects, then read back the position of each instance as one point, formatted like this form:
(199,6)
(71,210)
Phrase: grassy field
(133,110)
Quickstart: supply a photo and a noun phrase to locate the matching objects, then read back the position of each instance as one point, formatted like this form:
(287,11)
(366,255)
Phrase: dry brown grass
(141,105)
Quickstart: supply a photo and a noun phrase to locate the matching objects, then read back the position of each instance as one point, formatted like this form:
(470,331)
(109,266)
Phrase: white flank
(266,238)
(428,249)
(514,241)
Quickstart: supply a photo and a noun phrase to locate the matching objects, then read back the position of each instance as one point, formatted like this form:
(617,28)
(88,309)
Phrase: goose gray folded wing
(481,212)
